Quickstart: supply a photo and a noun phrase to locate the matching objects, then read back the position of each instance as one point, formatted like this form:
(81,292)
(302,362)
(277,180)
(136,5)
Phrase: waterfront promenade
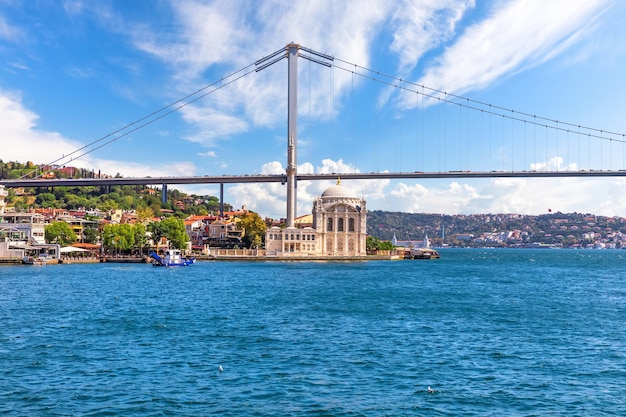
(221,255)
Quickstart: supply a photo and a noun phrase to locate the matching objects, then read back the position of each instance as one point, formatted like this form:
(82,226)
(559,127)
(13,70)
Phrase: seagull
(430,390)
(222,370)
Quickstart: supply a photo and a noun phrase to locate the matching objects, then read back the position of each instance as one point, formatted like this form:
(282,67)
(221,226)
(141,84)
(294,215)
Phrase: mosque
(339,228)
(339,218)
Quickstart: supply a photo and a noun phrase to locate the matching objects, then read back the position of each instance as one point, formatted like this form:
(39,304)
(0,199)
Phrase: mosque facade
(339,228)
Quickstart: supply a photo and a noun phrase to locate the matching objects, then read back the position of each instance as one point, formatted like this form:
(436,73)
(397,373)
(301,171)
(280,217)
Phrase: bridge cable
(396,82)
(436,95)
(148,116)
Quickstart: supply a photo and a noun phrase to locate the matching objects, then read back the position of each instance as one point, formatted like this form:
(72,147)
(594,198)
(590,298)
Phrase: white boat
(35,260)
(173,257)
(423,253)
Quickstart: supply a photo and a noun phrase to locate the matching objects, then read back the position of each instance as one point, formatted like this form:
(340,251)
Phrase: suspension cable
(176,105)
(465,102)
(401,84)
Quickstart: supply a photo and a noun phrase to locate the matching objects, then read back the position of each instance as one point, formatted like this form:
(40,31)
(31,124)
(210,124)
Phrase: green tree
(90,234)
(176,232)
(371,243)
(171,228)
(45,199)
(108,205)
(76,201)
(19,204)
(254,228)
(144,214)
(10,198)
(118,237)
(139,233)
(374,244)
(61,233)
(156,231)
(385,245)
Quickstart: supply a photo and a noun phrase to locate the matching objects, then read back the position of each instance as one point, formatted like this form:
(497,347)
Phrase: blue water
(492,332)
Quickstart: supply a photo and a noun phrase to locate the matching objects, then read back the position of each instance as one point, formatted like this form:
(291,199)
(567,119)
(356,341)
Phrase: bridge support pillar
(221,200)
(292,117)
(164,193)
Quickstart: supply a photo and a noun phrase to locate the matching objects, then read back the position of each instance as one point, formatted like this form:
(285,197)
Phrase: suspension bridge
(539,133)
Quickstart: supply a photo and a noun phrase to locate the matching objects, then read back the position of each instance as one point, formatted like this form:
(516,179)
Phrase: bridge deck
(237,179)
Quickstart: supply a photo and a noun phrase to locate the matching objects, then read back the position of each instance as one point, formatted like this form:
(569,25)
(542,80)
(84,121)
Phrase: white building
(339,228)
(3,195)
(410,244)
(32,224)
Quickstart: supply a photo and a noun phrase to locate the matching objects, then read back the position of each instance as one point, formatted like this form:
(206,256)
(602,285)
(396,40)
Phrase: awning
(18,246)
(72,249)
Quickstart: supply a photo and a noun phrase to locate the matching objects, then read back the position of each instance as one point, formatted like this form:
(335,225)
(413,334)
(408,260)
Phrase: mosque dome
(338,191)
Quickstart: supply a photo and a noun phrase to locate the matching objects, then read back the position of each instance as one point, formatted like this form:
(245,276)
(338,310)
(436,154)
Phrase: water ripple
(492,333)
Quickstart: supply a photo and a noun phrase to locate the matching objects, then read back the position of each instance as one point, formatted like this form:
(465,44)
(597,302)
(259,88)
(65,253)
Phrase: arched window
(340,225)
(329,225)
(350,225)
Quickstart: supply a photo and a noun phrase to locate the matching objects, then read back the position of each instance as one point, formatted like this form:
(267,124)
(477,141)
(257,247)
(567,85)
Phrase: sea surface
(503,332)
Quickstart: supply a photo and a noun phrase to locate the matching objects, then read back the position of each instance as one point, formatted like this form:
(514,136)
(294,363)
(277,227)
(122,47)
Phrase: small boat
(424,253)
(31,260)
(172,257)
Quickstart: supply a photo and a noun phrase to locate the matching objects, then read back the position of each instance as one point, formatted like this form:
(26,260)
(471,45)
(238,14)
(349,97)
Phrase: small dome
(338,191)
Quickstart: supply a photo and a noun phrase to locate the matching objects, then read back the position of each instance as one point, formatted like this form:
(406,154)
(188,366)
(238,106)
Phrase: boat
(172,257)
(423,253)
(35,260)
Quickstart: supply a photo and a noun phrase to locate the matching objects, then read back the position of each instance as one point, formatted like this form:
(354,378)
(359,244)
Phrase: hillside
(105,198)
(567,229)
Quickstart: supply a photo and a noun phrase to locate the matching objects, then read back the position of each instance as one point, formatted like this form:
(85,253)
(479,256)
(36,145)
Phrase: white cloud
(267,199)
(614,200)
(423,26)
(210,124)
(228,35)
(518,35)
(554,164)
(497,195)
(418,198)
(208,33)
(9,32)
(231,34)
(19,126)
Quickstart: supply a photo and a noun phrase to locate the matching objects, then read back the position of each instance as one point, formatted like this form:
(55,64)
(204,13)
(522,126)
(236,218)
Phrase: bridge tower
(293,51)
(292,131)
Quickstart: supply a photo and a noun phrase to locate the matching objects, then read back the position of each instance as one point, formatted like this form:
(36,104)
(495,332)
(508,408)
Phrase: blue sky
(72,72)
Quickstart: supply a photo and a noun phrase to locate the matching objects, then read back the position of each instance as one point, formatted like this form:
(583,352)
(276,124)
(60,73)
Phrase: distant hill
(568,228)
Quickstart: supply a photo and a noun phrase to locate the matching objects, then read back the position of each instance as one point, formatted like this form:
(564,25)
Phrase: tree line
(124,238)
(133,238)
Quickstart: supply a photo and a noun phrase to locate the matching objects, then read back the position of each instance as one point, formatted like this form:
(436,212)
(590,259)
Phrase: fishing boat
(173,257)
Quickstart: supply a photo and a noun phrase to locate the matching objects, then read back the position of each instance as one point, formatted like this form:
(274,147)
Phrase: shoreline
(212,258)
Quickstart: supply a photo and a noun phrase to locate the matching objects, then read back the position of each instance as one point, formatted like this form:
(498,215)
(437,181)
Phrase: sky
(424,85)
